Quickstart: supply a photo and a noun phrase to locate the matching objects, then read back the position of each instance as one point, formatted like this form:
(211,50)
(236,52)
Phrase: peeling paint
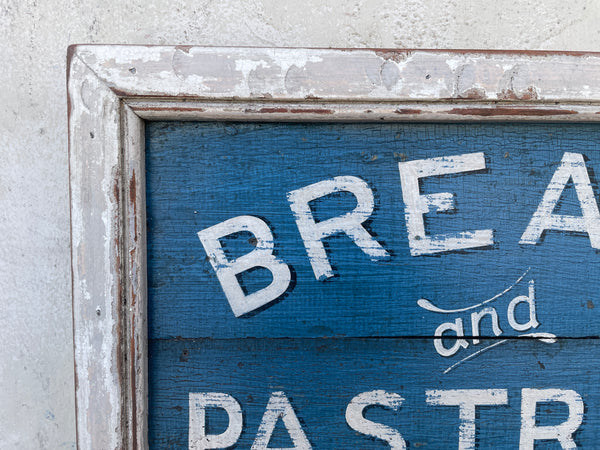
(504,111)
(408,111)
(299,73)
(350,85)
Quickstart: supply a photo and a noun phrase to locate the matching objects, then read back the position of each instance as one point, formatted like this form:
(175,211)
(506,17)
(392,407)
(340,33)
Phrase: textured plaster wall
(36,358)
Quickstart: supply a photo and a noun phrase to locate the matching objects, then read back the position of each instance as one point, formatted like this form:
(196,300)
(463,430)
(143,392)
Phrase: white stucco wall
(36,357)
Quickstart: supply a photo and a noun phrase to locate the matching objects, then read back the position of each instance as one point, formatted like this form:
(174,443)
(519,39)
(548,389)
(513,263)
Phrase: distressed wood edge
(254,73)
(97,272)
(106,145)
(135,345)
(359,111)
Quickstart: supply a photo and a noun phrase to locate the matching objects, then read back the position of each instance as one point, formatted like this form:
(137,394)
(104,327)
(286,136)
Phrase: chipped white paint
(429,306)
(417,205)
(350,223)
(280,408)
(467,400)
(356,419)
(476,320)
(530,300)
(112,89)
(383,76)
(457,329)
(261,256)
(198,439)
(95,247)
(572,167)
(563,432)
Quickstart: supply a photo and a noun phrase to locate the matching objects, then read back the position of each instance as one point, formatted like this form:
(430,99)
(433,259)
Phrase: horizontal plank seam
(340,338)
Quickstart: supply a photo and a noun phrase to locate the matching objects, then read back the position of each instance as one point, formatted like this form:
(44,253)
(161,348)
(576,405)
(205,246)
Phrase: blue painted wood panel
(201,174)
(321,376)
(518,319)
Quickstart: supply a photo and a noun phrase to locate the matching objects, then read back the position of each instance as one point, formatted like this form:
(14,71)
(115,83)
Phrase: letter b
(261,256)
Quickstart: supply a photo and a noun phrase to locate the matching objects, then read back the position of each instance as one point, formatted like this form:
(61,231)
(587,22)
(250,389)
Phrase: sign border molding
(114,89)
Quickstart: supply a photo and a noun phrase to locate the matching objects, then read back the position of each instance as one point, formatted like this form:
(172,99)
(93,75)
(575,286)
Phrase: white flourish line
(426,304)
(547,338)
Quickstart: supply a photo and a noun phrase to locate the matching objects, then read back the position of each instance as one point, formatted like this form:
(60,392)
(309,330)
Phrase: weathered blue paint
(325,342)
(321,376)
(199,175)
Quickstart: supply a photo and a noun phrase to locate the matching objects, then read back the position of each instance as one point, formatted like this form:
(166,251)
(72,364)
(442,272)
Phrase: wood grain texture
(205,173)
(385,75)
(96,236)
(321,376)
(325,342)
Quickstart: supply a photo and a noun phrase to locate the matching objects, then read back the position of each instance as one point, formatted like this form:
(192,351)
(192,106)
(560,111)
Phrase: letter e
(416,205)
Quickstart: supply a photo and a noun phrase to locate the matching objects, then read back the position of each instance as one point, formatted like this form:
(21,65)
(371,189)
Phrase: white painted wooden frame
(113,90)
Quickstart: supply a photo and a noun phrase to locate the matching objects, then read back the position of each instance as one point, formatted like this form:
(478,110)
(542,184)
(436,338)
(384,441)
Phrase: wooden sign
(297,249)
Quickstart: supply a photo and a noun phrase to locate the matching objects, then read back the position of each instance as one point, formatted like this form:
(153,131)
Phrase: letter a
(457,327)
(279,407)
(572,166)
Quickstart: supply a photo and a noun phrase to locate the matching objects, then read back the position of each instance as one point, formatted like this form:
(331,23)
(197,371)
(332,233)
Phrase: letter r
(351,223)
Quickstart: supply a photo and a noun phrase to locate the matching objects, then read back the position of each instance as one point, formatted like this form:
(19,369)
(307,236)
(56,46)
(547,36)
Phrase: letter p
(198,402)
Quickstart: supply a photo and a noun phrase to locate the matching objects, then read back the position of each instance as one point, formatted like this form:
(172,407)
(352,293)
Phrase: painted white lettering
(198,402)
(260,256)
(356,420)
(467,400)
(476,319)
(457,327)
(416,205)
(572,166)
(563,433)
(279,407)
(530,300)
(350,223)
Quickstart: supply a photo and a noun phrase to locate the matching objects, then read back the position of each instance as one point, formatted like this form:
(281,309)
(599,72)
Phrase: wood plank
(392,75)
(321,376)
(201,174)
